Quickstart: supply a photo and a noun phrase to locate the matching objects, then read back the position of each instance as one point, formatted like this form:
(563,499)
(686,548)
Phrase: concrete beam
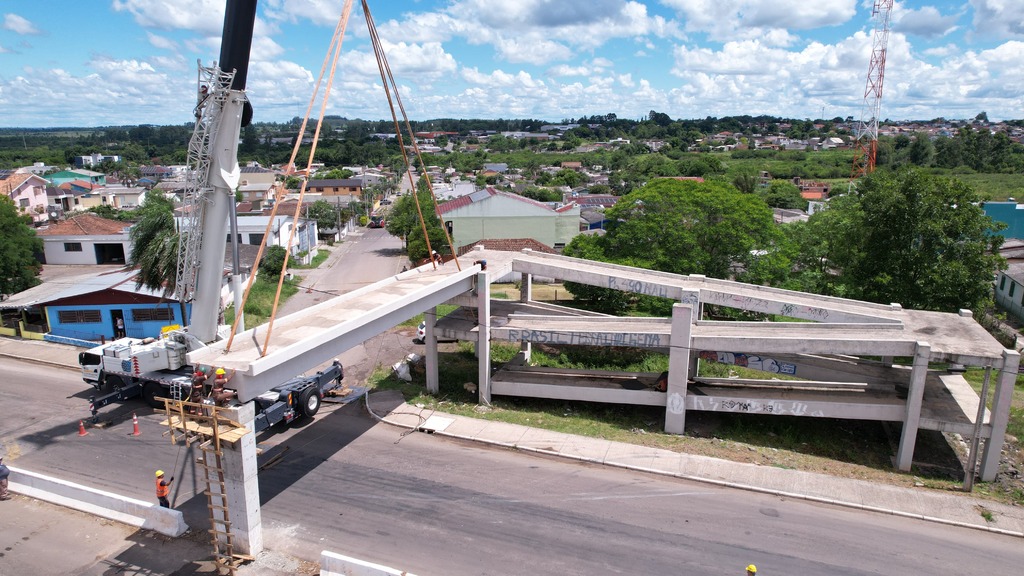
(912,416)
(430,342)
(1000,415)
(483,345)
(684,315)
(130,511)
(332,564)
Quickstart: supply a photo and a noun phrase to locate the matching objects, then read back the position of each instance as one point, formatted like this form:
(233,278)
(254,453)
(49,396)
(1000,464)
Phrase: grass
(322,255)
(976,377)
(261,300)
(553,292)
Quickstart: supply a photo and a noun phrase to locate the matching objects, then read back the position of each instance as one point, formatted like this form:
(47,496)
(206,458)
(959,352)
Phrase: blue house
(91,307)
(1009,213)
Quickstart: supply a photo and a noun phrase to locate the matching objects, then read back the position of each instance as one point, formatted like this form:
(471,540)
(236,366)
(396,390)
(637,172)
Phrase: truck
(155,368)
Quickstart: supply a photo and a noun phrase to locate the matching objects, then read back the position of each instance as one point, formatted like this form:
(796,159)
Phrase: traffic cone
(81,428)
(135,425)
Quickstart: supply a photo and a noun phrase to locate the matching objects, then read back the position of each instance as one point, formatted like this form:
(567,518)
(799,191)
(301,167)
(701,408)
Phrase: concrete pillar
(430,341)
(1000,415)
(683,318)
(483,344)
(241,484)
(912,415)
(526,295)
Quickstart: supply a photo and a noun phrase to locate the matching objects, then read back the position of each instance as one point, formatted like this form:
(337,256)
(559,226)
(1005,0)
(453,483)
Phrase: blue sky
(113,62)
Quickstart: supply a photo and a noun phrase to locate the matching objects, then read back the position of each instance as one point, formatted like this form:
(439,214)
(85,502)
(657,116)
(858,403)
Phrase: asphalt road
(435,506)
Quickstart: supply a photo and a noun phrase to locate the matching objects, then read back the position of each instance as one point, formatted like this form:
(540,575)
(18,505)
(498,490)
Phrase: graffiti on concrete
(754,406)
(632,339)
(768,306)
(749,361)
(639,287)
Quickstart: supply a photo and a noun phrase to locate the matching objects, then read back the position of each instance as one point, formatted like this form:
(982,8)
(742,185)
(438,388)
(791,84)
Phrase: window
(1002,283)
(152,315)
(78,316)
(72,246)
(23,202)
(1012,286)
(255,239)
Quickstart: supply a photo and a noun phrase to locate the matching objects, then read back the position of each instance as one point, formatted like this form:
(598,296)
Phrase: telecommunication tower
(866,142)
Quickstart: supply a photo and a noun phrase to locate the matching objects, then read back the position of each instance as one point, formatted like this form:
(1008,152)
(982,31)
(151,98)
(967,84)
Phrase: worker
(751,570)
(5,472)
(163,488)
(436,257)
(219,394)
(198,387)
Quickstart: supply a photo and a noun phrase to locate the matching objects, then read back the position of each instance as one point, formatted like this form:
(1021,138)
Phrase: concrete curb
(75,368)
(722,483)
(332,564)
(106,504)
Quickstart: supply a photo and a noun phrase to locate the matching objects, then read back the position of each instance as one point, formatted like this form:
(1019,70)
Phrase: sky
(128,62)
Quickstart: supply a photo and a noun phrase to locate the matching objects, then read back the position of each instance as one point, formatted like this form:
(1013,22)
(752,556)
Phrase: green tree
(689,227)
(272,262)
(783,194)
(19,269)
(912,238)
(921,151)
(154,250)
(325,214)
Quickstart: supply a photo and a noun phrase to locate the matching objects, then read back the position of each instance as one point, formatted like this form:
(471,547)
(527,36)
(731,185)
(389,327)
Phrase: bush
(272,262)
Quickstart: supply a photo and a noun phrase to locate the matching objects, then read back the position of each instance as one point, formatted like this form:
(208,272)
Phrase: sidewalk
(956,509)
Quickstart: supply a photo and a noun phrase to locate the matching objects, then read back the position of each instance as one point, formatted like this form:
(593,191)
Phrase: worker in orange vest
(163,488)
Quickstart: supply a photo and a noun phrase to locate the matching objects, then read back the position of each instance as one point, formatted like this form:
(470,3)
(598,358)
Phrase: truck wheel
(112,383)
(150,392)
(309,402)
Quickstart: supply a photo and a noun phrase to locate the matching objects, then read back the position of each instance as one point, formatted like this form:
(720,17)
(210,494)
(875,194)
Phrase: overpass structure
(832,358)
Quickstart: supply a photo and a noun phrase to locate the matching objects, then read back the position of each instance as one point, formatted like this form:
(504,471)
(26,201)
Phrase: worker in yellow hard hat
(219,395)
(751,570)
(163,488)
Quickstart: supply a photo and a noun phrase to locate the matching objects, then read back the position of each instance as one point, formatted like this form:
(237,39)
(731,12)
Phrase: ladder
(217,504)
(199,422)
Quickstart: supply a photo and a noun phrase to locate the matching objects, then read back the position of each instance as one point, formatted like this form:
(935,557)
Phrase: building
(85,239)
(88,306)
(89,176)
(94,160)
(350,187)
(28,192)
(493,215)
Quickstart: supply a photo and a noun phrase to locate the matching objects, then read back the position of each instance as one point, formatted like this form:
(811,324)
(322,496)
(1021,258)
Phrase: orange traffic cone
(135,425)
(81,428)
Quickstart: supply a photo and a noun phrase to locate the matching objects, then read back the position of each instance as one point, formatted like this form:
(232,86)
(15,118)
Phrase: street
(436,506)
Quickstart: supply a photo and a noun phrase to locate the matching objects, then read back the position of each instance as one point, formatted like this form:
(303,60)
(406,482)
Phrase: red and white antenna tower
(866,145)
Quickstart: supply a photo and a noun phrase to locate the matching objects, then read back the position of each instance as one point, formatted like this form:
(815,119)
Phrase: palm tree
(154,250)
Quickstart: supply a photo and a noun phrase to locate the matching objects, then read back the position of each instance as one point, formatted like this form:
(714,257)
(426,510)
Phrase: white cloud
(565,70)
(204,16)
(19,25)
(161,42)
(1002,19)
(752,18)
(926,22)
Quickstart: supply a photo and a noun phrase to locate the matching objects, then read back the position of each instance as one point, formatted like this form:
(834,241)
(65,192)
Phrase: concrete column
(241,484)
(1000,415)
(912,416)
(430,341)
(683,318)
(483,344)
(526,295)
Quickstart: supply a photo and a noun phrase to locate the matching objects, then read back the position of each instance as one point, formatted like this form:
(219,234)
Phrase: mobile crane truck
(157,367)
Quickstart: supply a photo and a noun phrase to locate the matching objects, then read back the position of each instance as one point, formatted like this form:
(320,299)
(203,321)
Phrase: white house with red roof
(85,239)
(492,214)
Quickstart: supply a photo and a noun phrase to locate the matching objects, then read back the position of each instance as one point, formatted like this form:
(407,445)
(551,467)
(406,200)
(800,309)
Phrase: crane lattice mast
(866,143)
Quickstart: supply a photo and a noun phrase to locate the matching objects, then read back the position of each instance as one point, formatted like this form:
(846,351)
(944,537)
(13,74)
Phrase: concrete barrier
(106,504)
(332,564)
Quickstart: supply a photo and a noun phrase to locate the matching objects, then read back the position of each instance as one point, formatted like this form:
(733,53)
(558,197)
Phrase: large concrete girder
(306,339)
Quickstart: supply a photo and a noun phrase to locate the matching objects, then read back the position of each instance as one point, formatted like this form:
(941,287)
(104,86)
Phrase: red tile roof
(509,245)
(490,192)
(85,224)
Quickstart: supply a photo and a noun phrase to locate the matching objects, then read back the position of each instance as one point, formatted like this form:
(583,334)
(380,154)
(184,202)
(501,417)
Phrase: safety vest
(162,490)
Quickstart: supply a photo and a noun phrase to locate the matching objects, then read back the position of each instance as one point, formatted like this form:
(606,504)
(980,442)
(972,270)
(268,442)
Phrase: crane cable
(388,79)
(335,46)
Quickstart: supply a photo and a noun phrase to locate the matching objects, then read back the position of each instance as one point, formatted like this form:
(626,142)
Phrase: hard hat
(159,473)
(220,371)
(752,569)
(199,373)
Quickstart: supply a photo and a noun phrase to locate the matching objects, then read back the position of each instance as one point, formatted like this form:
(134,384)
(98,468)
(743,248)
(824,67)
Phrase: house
(125,197)
(493,214)
(85,239)
(572,165)
(255,174)
(87,307)
(258,195)
(87,195)
(89,176)
(338,187)
(94,160)
(155,173)
(28,192)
